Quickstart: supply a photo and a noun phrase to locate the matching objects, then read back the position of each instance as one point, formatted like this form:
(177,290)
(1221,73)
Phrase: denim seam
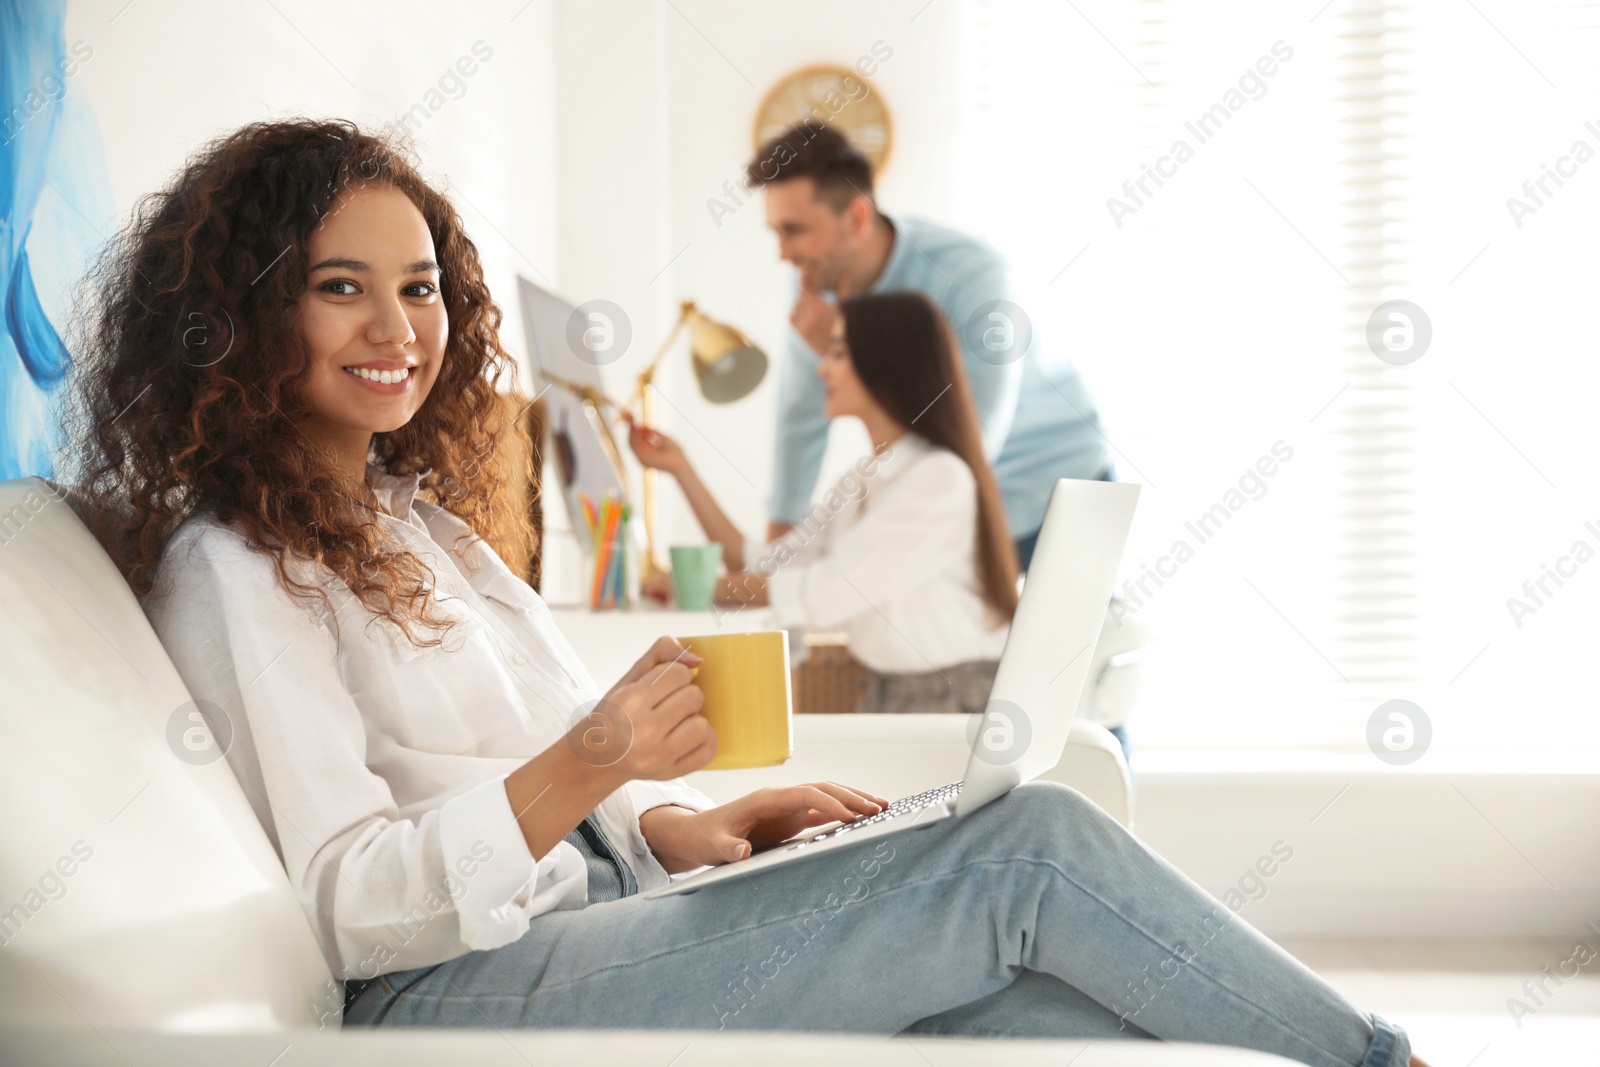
(1381,1052)
(1270,1013)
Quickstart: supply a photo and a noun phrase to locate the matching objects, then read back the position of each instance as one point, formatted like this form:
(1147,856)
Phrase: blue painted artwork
(56,211)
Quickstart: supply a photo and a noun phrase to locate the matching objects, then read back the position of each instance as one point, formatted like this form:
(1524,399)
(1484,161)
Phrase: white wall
(167,76)
(657,103)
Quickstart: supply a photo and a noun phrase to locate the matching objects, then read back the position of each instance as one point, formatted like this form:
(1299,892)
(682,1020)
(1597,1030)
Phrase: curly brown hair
(187,355)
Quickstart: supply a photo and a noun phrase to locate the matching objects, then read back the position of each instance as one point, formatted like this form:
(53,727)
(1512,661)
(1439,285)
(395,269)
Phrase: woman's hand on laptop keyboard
(683,840)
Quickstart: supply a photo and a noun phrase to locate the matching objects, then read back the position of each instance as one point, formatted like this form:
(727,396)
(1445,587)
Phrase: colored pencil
(611,572)
(610,513)
(622,579)
(602,554)
(614,568)
(618,554)
(608,589)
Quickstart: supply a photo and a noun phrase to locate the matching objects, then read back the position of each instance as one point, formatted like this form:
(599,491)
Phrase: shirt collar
(901,453)
(895,265)
(394,491)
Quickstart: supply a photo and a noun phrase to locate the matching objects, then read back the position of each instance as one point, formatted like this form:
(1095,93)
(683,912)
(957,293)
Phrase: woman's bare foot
(1418,1061)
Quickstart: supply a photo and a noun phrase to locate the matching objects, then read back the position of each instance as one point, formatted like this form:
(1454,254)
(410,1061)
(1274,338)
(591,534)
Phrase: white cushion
(181,916)
(395,1047)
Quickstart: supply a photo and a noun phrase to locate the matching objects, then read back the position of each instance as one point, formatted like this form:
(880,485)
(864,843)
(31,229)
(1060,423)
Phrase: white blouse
(889,556)
(378,769)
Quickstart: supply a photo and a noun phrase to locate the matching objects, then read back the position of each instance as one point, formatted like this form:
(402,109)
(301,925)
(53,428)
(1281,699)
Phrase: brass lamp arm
(646,376)
(652,563)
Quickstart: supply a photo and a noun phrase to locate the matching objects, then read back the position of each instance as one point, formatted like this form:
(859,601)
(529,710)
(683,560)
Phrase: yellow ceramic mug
(745,679)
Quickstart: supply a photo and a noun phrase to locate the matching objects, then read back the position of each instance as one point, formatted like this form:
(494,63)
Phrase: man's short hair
(811,149)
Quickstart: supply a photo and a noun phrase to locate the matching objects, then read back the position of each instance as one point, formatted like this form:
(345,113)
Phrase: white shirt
(889,555)
(376,768)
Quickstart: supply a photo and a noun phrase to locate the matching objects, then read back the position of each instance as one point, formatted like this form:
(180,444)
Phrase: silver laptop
(1023,730)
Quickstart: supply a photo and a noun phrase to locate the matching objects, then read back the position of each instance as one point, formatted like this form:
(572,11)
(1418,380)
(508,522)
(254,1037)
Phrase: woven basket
(829,680)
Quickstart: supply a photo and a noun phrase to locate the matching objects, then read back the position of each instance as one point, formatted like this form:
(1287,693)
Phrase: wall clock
(838,96)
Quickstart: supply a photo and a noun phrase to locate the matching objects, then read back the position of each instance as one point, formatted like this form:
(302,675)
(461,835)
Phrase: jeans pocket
(370,998)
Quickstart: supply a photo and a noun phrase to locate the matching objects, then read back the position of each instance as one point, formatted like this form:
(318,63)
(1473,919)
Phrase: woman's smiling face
(372,316)
(842,392)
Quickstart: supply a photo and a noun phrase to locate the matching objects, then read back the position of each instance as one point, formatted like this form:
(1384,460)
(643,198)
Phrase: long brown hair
(189,352)
(906,357)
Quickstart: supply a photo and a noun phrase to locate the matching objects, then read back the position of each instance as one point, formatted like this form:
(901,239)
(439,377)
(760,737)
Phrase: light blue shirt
(1039,422)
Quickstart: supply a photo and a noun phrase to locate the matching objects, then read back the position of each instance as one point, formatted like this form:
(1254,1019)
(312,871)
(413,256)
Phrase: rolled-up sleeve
(644,794)
(479,833)
(383,892)
(754,549)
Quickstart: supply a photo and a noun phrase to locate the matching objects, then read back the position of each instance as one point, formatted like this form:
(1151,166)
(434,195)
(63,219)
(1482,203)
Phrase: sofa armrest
(426,1046)
(1094,765)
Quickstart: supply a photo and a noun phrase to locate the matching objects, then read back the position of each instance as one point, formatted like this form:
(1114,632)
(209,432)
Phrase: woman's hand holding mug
(649,724)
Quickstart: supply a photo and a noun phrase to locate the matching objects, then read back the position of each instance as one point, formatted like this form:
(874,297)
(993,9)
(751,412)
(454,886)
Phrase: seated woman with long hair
(466,817)
(908,552)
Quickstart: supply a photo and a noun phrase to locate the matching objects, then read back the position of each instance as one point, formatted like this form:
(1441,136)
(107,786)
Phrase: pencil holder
(611,575)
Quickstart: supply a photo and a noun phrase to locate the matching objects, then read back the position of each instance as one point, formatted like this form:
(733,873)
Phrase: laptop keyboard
(904,806)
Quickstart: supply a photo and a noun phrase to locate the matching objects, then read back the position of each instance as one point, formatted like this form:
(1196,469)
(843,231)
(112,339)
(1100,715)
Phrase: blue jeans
(1036,916)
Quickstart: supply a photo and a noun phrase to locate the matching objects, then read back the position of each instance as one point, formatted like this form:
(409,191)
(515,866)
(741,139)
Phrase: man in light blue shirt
(1039,422)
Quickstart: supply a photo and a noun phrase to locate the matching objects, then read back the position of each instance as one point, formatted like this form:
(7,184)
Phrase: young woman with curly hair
(286,418)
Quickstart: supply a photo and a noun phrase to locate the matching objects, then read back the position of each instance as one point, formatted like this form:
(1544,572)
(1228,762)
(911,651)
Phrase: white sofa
(146,919)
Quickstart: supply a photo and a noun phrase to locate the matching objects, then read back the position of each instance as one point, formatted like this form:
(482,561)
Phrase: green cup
(694,575)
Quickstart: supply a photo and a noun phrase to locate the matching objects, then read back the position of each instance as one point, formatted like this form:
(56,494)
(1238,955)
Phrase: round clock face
(837,96)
